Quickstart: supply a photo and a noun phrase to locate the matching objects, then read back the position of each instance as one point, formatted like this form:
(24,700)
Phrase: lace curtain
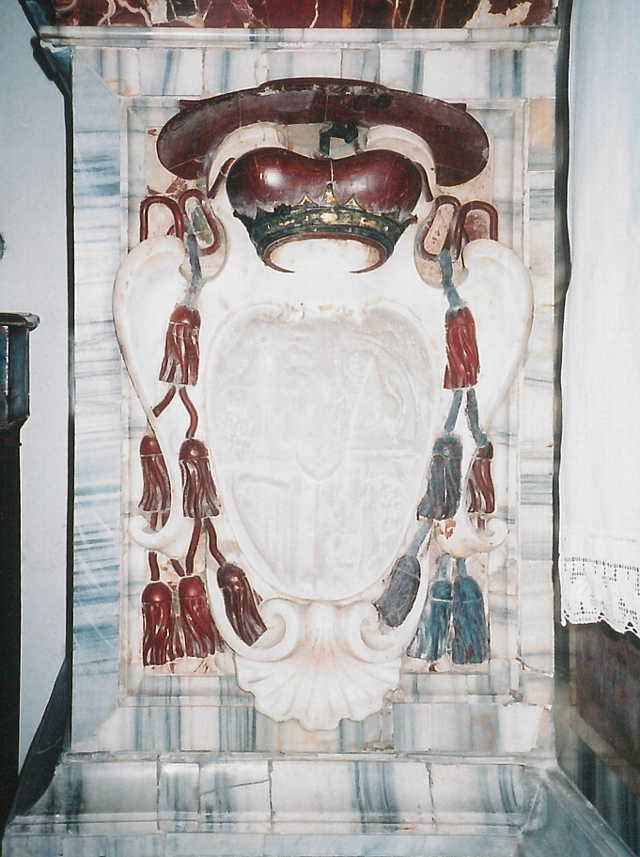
(600,463)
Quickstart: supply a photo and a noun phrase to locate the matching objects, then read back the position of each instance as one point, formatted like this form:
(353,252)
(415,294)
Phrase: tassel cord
(191,410)
(422,533)
(164,403)
(193,249)
(196,270)
(454,410)
(202,210)
(442,567)
(193,546)
(213,542)
(461,219)
(450,291)
(473,418)
(154,568)
(177,567)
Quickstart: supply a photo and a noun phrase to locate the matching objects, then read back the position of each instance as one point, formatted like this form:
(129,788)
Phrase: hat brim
(457,141)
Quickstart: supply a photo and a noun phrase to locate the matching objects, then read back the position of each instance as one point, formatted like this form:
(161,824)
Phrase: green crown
(309,218)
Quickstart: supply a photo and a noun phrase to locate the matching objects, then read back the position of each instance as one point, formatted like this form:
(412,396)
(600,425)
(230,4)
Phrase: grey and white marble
(327,807)
(161,765)
(137,83)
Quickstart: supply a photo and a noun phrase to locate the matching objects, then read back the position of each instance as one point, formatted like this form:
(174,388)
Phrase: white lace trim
(594,589)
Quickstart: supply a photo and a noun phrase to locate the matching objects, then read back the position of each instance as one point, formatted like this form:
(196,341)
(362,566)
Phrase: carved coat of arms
(319,344)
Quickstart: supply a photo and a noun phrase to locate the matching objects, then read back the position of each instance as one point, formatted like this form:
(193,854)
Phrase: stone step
(201,805)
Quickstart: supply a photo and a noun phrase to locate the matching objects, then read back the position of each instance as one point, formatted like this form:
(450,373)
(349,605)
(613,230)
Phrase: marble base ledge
(205,806)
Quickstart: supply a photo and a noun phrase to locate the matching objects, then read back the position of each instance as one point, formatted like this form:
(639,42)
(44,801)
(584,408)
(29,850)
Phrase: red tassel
(480,493)
(199,498)
(160,640)
(156,489)
(201,637)
(240,602)
(181,349)
(463,363)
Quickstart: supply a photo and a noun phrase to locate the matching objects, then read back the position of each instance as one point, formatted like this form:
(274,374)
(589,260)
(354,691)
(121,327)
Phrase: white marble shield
(320,425)
(319,399)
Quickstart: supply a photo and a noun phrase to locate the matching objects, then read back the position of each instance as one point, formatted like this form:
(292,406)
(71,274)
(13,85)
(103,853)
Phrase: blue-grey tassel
(470,634)
(397,599)
(443,489)
(430,641)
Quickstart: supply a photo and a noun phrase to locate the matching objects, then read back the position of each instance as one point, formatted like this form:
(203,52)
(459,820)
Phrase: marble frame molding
(125,82)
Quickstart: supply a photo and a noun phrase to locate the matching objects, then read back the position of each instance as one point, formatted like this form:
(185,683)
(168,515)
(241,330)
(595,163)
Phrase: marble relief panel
(237,409)
(212,680)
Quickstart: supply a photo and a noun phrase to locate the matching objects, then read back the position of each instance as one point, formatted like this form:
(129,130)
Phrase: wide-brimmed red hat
(458,142)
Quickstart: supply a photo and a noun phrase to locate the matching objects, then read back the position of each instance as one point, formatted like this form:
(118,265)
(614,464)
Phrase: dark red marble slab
(457,141)
(386,14)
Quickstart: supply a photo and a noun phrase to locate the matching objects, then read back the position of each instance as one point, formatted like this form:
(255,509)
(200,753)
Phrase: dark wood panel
(607,686)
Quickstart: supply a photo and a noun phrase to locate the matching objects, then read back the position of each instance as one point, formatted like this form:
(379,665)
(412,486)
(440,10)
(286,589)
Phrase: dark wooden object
(607,687)
(14,410)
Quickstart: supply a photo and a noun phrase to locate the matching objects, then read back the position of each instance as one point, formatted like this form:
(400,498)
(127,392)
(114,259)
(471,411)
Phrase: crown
(281,196)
